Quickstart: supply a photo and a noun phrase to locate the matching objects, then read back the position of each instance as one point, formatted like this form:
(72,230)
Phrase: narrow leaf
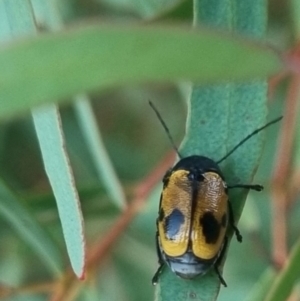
(48,127)
(99,56)
(262,286)
(284,282)
(17,20)
(48,12)
(207,118)
(250,20)
(29,229)
(295,14)
(219,116)
(96,146)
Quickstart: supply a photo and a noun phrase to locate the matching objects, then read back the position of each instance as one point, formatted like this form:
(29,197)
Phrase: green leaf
(262,286)
(171,287)
(99,56)
(96,146)
(178,10)
(250,20)
(29,230)
(48,127)
(17,20)
(219,117)
(47,12)
(295,14)
(287,277)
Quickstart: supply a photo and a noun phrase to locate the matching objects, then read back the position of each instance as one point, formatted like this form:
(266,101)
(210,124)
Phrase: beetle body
(195,212)
(193,216)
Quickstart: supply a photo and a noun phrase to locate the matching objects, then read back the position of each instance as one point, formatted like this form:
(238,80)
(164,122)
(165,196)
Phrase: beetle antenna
(165,127)
(249,136)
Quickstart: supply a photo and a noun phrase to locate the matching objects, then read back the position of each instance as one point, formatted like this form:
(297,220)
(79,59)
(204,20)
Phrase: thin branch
(281,173)
(274,82)
(37,288)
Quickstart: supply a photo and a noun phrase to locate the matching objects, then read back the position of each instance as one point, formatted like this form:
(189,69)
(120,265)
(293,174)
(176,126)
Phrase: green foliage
(105,51)
(48,129)
(124,64)
(287,277)
(14,213)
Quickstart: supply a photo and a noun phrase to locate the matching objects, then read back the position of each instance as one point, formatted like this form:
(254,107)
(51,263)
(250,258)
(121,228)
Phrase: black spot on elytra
(224,220)
(173,223)
(210,227)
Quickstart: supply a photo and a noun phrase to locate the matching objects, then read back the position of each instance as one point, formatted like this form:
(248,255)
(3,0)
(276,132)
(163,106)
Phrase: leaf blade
(216,113)
(286,278)
(115,55)
(29,230)
(93,138)
(48,128)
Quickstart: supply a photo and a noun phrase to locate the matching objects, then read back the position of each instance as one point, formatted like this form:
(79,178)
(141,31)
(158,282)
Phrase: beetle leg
(157,273)
(231,218)
(232,223)
(160,262)
(220,276)
(160,259)
(247,186)
(219,261)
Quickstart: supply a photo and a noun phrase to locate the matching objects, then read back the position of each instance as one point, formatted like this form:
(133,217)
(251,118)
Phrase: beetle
(195,213)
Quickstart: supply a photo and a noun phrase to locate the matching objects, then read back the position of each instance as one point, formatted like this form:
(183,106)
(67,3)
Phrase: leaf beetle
(195,212)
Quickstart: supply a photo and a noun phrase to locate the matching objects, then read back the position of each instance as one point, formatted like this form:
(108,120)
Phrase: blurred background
(137,146)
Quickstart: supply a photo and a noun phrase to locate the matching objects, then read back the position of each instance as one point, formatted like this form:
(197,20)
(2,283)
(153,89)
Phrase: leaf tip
(82,276)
